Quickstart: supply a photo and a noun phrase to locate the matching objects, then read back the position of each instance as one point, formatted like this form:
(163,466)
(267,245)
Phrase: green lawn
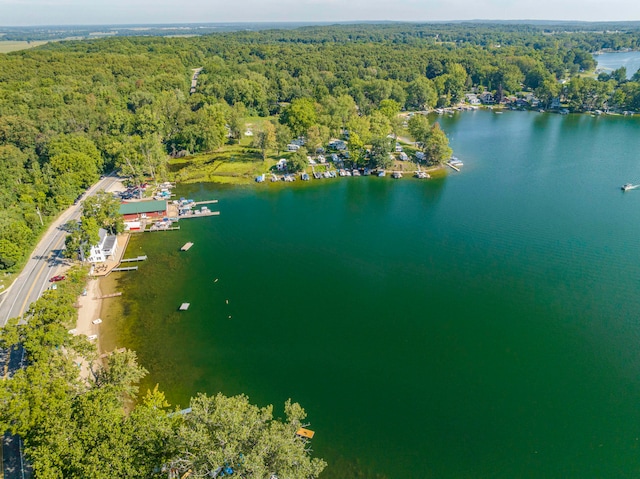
(236,164)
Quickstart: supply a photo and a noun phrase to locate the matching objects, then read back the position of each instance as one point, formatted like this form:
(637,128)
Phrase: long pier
(112,295)
(200,215)
(127,268)
(208,202)
(454,167)
(129,260)
(172,228)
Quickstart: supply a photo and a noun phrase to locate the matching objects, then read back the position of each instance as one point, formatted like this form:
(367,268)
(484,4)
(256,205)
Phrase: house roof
(109,243)
(143,207)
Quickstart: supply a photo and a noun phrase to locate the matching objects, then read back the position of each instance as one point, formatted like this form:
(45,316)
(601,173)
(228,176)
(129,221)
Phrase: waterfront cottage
(105,249)
(282,164)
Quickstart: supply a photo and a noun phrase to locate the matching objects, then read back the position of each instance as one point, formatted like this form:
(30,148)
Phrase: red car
(59,277)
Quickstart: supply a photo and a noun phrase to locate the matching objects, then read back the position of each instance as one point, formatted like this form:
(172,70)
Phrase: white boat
(628,186)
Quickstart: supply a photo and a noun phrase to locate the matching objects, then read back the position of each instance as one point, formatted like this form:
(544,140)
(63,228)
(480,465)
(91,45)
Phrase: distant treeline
(71,110)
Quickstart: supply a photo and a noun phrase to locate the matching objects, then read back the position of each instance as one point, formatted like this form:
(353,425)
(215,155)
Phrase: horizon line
(324,22)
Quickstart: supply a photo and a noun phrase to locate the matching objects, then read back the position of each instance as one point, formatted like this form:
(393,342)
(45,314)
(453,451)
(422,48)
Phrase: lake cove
(608,62)
(484,324)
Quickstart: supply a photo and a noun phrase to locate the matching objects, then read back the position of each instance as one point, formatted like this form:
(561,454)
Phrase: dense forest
(72,110)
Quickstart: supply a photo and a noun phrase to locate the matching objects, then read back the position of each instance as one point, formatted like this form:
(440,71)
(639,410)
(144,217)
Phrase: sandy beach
(89,311)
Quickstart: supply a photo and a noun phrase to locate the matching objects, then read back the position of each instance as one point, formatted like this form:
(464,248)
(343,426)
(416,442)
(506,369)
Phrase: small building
(338,145)
(419,155)
(487,98)
(403,156)
(472,99)
(282,164)
(398,147)
(140,210)
(293,147)
(106,248)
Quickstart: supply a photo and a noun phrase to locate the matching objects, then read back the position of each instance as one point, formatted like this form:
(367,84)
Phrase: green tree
(225,431)
(436,147)
(356,149)
(300,115)
(317,136)
(298,161)
(283,135)
(381,149)
(265,138)
(105,208)
(421,94)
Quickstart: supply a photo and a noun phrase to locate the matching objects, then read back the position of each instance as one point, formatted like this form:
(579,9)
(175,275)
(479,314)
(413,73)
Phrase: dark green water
(485,324)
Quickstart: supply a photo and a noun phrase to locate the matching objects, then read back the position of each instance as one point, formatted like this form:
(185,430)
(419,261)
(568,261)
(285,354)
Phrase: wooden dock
(187,246)
(172,228)
(200,215)
(452,166)
(305,433)
(127,268)
(112,295)
(130,260)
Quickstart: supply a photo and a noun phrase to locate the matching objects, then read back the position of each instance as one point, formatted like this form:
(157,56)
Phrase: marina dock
(187,246)
(208,202)
(171,228)
(129,260)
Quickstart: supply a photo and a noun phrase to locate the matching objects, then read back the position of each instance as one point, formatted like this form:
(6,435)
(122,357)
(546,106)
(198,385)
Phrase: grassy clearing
(14,46)
(233,164)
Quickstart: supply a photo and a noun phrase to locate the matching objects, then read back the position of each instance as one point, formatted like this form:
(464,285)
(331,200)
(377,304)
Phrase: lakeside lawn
(232,164)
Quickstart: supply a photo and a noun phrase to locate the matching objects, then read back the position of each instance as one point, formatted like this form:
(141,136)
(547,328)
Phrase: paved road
(46,261)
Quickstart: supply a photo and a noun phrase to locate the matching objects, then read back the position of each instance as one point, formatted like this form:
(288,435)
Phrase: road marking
(33,285)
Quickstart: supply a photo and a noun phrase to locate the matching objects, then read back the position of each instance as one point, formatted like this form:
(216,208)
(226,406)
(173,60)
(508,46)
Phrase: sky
(100,12)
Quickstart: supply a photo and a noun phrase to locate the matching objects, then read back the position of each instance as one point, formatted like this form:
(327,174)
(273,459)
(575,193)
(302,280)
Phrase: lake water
(612,61)
(484,324)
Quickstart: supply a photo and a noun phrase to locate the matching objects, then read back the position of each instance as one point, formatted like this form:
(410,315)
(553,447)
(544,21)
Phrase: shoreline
(89,309)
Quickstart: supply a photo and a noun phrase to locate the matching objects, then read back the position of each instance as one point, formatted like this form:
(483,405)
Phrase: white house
(106,248)
(293,147)
(282,164)
(472,99)
(419,155)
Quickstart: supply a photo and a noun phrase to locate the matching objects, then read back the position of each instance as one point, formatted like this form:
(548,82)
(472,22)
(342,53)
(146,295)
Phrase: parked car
(57,278)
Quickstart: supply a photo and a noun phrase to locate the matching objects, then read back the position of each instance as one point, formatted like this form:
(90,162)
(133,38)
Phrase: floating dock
(208,202)
(127,268)
(187,246)
(453,166)
(305,433)
(184,306)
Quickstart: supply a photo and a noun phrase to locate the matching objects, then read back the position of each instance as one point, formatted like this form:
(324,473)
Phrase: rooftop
(143,207)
